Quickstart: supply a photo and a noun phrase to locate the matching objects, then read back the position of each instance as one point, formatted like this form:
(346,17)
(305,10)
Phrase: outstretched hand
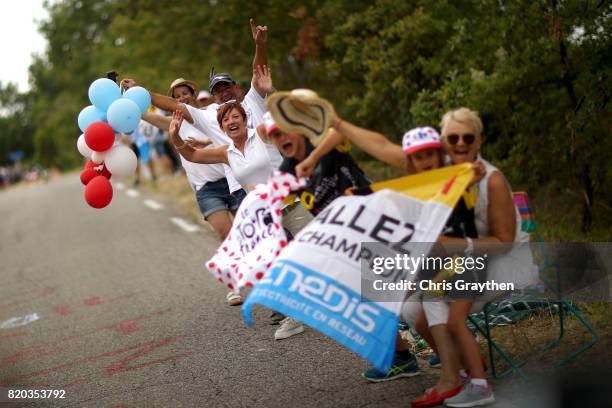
(260,33)
(262,80)
(197,143)
(128,83)
(175,124)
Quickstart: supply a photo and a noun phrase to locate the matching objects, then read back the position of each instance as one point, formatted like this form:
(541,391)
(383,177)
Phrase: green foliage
(16,124)
(539,72)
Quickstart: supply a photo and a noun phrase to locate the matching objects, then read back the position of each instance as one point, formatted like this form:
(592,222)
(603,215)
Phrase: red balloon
(87,175)
(104,172)
(98,192)
(99,136)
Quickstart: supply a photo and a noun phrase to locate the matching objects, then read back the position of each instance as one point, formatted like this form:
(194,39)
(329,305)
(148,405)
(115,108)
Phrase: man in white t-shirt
(208,181)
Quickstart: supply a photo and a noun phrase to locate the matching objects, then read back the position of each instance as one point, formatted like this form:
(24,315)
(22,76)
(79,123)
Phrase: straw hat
(300,111)
(184,82)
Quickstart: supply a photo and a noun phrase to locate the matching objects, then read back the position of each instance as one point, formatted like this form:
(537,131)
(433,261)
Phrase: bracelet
(469,249)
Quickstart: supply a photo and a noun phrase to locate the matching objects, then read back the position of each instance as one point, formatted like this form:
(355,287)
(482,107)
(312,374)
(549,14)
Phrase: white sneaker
(234,299)
(288,327)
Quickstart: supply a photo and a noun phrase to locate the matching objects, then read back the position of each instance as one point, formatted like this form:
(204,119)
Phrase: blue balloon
(139,95)
(103,92)
(89,115)
(123,115)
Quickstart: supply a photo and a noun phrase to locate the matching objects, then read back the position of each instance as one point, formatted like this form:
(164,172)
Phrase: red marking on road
(45,349)
(116,367)
(122,366)
(28,295)
(10,335)
(74,383)
(46,291)
(39,384)
(63,309)
(92,301)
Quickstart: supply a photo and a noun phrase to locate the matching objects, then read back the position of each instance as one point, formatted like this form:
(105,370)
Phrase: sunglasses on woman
(467,138)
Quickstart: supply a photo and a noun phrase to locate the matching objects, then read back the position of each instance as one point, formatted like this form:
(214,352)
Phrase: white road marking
(132,193)
(154,205)
(184,225)
(19,321)
(120,186)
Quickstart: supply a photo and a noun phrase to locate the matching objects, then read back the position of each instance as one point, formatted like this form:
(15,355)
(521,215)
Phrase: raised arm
(204,156)
(374,143)
(161,101)
(260,36)
(159,121)
(307,166)
(262,80)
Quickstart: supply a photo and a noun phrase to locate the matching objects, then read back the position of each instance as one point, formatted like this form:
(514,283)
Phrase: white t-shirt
(198,174)
(205,120)
(258,161)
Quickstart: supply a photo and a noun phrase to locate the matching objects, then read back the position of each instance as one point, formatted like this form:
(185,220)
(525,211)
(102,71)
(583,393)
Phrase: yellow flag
(444,185)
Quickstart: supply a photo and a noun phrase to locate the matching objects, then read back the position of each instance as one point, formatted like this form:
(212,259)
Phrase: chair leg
(594,336)
(492,345)
(555,342)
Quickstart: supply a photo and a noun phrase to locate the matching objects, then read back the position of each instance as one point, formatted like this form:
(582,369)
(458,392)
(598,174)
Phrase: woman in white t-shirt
(251,156)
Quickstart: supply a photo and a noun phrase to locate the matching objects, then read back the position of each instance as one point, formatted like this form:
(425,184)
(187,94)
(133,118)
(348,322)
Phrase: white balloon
(98,157)
(83,148)
(121,161)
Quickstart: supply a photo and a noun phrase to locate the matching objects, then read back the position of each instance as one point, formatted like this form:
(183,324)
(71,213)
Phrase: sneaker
(234,299)
(471,396)
(288,327)
(400,368)
(276,318)
(434,361)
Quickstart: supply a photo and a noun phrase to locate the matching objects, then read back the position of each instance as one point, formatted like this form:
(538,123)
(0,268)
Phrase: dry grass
(523,339)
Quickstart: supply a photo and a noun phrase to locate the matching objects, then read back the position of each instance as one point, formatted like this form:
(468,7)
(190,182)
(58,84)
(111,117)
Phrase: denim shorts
(238,196)
(160,148)
(215,196)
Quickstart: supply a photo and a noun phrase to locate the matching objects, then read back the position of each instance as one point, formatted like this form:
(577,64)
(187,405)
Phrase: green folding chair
(561,306)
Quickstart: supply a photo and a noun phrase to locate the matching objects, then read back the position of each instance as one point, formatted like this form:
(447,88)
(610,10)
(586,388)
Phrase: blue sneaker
(400,368)
(434,361)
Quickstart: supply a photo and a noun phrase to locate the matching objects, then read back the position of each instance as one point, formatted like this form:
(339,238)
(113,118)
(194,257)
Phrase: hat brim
(308,116)
(190,84)
(423,146)
(220,81)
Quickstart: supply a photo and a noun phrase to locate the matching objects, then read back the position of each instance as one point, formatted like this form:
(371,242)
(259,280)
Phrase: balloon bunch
(109,113)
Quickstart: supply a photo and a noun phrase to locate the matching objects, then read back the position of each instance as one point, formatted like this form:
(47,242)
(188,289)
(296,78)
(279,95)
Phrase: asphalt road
(114,307)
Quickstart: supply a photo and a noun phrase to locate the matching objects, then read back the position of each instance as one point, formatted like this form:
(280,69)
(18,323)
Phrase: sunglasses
(467,138)
(231,102)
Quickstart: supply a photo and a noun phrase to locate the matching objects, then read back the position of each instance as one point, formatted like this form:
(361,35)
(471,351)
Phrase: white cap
(203,95)
(420,138)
